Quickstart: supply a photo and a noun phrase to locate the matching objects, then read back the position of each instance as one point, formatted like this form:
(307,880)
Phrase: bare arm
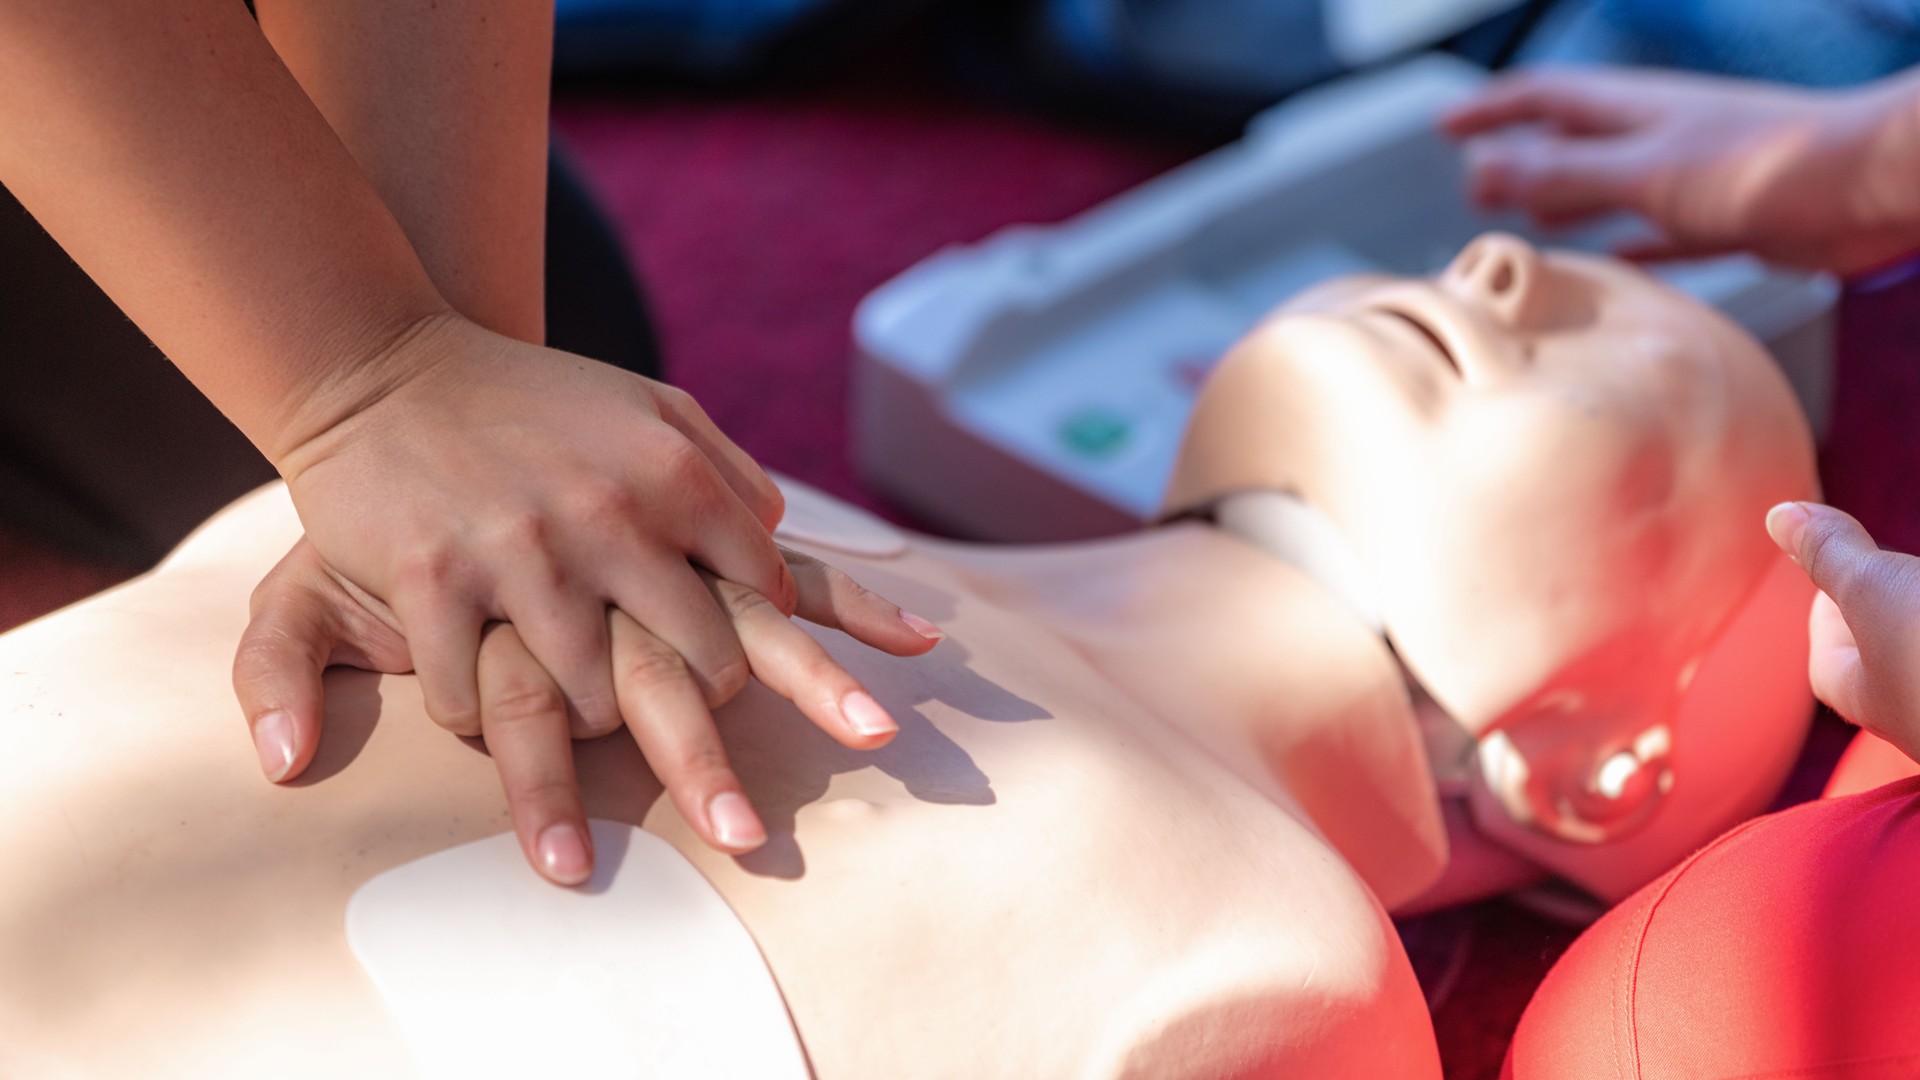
(163,144)
(444,106)
(348,263)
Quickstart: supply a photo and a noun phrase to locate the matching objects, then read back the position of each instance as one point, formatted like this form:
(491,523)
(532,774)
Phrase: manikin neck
(1298,534)
(1287,528)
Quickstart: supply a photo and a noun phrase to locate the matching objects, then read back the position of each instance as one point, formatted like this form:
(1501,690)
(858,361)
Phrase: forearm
(444,106)
(165,147)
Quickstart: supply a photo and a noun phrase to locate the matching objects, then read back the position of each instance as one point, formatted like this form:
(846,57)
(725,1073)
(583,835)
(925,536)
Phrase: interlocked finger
(524,722)
(792,664)
(668,715)
(443,633)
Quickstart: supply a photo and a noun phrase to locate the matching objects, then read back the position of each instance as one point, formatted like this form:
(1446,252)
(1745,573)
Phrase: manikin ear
(1734,736)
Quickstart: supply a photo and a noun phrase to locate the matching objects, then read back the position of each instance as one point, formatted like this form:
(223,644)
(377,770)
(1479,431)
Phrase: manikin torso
(1038,854)
(1146,808)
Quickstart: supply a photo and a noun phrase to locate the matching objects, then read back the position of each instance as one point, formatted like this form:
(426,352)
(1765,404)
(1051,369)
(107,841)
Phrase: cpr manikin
(1150,800)
(1539,475)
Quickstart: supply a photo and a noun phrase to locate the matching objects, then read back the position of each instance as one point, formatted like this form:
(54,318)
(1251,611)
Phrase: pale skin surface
(1013,862)
(331,223)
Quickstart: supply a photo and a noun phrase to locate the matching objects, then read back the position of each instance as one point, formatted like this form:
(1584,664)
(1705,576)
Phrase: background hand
(1865,623)
(306,618)
(1813,179)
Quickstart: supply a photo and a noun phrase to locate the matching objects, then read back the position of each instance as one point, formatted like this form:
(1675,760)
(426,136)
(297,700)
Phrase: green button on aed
(1095,432)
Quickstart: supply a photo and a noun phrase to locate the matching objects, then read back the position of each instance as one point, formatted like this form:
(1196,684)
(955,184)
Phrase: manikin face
(1553,468)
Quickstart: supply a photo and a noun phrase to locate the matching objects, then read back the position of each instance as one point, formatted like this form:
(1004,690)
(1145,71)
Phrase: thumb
(1875,593)
(277,672)
(303,620)
(1866,584)
(1553,177)
(1864,632)
(1833,664)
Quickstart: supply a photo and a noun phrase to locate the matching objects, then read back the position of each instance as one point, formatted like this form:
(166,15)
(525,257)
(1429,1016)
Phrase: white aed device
(1362,32)
(1035,386)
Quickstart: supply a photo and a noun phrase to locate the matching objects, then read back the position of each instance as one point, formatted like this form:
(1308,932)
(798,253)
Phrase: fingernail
(865,716)
(922,627)
(273,741)
(563,854)
(734,823)
(1785,523)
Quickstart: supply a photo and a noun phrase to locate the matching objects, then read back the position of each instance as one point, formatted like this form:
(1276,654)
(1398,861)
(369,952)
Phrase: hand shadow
(352,711)
(783,760)
(786,763)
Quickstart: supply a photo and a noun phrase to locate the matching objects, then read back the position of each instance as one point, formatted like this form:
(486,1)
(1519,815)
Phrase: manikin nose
(1498,272)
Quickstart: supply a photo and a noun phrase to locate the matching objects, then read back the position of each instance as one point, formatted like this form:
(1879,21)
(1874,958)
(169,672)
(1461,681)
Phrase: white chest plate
(643,972)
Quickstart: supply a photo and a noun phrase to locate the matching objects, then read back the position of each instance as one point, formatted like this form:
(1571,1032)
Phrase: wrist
(378,363)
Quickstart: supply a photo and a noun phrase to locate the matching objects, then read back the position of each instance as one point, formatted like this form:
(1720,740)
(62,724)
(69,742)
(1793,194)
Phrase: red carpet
(759,222)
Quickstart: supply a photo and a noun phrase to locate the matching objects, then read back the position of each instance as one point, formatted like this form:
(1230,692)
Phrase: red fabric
(1785,948)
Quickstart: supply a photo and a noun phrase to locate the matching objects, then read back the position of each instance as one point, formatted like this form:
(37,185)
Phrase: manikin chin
(1463,589)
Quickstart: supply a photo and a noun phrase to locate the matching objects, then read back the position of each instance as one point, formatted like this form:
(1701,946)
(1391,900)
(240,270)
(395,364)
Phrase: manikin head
(1554,470)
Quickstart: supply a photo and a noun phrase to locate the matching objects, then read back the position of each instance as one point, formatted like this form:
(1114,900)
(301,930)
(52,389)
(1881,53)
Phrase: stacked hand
(1865,623)
(1820,180)
(558,546)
